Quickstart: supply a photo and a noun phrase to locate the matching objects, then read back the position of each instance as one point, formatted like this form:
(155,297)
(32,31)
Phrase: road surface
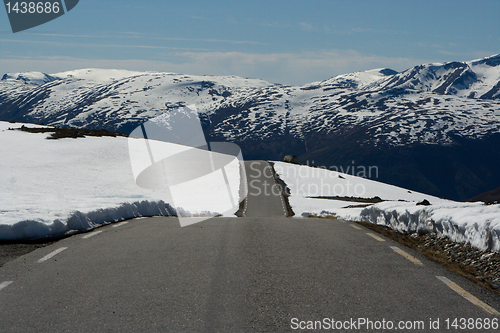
(264,195)
(249,274)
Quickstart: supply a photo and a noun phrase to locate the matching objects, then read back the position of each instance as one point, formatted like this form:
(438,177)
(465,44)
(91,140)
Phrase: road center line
(355,226)
(51,254)
(92,234)
(5,284)
(119,224)
(471,298)
(375,236)
(407,256)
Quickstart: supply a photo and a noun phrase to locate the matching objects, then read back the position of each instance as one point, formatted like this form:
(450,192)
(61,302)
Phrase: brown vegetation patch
(59,133)
(352,199)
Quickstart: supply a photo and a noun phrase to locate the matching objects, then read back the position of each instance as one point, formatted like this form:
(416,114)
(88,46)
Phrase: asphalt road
(264,197)
(250,274)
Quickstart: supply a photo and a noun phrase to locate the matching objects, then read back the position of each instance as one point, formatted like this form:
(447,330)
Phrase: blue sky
(288,42)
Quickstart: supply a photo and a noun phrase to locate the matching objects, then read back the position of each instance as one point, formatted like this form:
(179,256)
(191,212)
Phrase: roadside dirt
(11,251)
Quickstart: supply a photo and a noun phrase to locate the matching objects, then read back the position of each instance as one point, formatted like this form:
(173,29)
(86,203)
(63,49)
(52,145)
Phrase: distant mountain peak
(99,75)
(359,80)
(388,71)
(491,61)
(31,78)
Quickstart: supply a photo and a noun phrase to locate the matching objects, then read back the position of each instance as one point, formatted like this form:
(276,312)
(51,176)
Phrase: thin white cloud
(307,26)
(142,36)
(210,40)
(94,45)
(290,68)
(304,26)
(53,34)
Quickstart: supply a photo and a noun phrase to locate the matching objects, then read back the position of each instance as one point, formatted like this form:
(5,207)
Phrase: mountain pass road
(262,272)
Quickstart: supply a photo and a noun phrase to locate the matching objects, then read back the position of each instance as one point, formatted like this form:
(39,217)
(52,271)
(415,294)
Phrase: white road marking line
(92,234)
(119,224)
(375,236)
(407,256)
(355,226)
(471,298)
(51,254)
(5,284)
(245,205)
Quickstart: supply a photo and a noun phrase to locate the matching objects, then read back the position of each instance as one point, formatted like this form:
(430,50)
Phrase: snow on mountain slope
(113,98)
(426,104)
(487,71)
(473,79)
(389,117)
(474,223)
(97,75)
(31,78)
(359,80)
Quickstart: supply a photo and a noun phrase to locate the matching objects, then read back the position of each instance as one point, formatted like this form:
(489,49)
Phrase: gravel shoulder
(481,267)
(11,251)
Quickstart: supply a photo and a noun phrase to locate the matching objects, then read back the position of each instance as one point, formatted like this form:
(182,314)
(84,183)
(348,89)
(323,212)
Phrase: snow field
(55,187)
(473,223)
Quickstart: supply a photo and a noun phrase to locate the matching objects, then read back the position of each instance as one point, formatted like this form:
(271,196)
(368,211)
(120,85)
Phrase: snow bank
(81,222)
(473,223)
(53,187)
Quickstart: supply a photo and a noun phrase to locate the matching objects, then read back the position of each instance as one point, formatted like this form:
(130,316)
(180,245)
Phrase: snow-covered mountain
(111,99)
(423,104)
(371,117)
(30,78)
